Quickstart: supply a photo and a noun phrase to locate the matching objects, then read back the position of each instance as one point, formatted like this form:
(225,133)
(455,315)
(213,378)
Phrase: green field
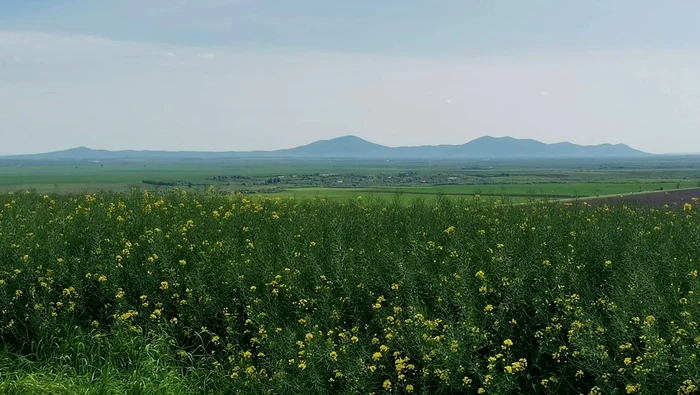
(516,180)
(206,293)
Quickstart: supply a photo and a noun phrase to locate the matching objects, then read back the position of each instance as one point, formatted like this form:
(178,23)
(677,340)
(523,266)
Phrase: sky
(235,75)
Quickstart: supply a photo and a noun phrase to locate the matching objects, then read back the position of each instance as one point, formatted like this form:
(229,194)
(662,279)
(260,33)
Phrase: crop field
(513,181)
(190,292)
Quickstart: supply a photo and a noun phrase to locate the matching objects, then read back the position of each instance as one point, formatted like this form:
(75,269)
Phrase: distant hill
(355,147)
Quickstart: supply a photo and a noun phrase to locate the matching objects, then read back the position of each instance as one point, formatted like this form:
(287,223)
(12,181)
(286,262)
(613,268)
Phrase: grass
(513,181)
(178,292)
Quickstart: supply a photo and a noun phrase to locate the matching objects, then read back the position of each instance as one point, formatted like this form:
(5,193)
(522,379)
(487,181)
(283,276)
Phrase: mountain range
(352,147)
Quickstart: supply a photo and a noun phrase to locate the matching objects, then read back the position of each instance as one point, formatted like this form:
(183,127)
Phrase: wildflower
(409,388)
(632,388)
(386,385)
(608,262)
(164,285)
(182,262)
(488,308)
(450,230)
(334,355)
(102,278)
(507,342)
(308,337)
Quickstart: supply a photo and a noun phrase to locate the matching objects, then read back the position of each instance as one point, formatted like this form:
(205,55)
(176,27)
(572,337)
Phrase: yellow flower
(409,388)
(129,314)
(386,384)
(164,285)
(102,278)
(450,230)
(488,308)
(632,388)
(309,337)
(507,342)
(334,355)
(608,262)
(182,262)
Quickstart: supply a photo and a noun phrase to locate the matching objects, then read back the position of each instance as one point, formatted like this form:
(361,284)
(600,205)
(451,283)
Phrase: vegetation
(183,292)
(342,179)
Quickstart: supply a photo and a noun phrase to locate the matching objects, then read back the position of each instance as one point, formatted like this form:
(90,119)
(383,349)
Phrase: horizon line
(332,139)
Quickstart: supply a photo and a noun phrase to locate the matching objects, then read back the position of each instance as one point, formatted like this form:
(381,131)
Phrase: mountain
(355,147)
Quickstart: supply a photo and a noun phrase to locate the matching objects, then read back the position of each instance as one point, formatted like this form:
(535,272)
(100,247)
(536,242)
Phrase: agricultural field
(190,291)
(514,181)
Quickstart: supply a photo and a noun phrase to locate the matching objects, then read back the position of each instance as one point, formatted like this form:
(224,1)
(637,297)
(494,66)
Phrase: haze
(223,75)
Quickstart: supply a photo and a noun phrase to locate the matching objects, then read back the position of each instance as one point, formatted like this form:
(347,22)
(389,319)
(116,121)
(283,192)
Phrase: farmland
(205,292)
(514,180)
(377,277)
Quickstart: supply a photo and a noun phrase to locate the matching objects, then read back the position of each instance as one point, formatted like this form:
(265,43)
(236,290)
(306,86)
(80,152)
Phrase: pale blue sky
(262,74)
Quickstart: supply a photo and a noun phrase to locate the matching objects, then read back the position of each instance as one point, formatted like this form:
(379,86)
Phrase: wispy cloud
(117,94)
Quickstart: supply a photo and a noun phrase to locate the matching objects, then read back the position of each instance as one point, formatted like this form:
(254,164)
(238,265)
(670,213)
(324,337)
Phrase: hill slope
(355,147)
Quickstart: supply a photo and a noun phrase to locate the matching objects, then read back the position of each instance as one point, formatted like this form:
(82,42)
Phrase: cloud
(207,55)
(545,94)
(120,95)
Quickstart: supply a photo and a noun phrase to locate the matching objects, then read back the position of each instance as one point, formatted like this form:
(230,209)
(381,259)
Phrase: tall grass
(204,293)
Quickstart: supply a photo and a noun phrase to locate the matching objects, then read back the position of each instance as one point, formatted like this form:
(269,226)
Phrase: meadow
(179,292)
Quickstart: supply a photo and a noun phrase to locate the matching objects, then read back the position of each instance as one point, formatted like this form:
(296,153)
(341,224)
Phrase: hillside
(354,147)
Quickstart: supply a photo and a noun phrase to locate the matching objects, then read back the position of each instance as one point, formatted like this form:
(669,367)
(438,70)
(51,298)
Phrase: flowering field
(204,293)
